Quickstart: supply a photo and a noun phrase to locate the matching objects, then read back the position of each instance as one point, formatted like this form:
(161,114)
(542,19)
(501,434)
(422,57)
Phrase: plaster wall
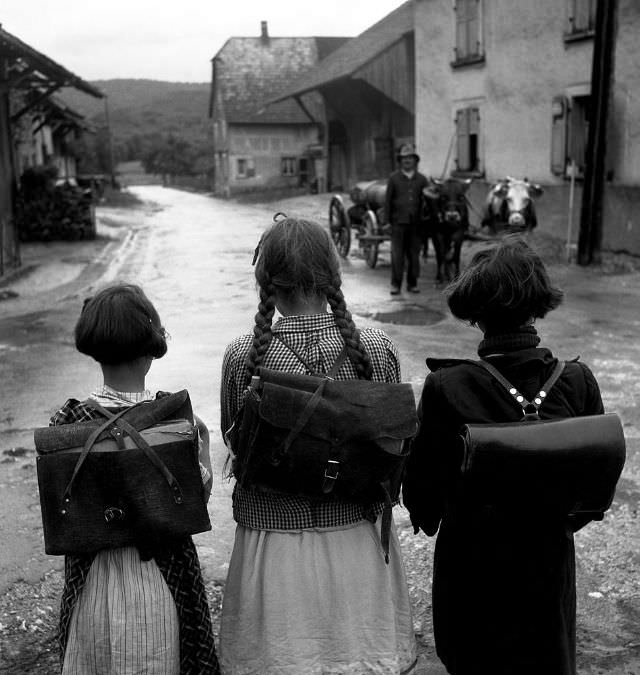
(266,146)
(527,63)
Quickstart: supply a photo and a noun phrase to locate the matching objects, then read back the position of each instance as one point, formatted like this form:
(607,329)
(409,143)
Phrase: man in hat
(403,211)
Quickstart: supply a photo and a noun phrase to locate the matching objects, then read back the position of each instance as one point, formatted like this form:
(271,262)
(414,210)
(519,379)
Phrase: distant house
(257,145)
(368,87)
(53,128)
(503,87)
(27,79)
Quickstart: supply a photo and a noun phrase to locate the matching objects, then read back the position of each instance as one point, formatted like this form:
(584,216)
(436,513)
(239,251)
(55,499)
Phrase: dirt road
(193,255)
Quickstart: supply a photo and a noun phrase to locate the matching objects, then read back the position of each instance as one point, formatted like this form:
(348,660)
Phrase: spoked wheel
(370,248)
(339,226)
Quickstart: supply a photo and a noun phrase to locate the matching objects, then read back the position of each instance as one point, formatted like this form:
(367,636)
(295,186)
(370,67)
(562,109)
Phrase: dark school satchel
(566,466)
(130,478)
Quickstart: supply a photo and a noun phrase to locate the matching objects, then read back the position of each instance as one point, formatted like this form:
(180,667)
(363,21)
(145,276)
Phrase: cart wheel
(370,249)
(339,226)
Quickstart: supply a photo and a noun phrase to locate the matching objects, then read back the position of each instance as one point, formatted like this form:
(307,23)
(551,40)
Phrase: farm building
(503,87)
(488,89)
(257,145)
(33,128)
(368,88)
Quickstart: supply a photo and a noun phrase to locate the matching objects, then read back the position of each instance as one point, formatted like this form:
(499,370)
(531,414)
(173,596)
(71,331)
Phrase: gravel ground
(608,553)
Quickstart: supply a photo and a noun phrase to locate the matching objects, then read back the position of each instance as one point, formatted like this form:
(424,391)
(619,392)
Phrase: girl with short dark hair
(504,597)
(127,610)
(308,590)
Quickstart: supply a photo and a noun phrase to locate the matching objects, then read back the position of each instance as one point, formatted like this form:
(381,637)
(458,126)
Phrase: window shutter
(462,135)
(461,29)
(581,21)
(571,15)
(559,109)
(473,27)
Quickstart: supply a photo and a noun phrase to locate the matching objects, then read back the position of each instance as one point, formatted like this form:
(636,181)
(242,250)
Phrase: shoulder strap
(337,364)
(528,407)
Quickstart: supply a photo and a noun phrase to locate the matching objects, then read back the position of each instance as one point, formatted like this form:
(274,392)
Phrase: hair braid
(355,349)
(261,330)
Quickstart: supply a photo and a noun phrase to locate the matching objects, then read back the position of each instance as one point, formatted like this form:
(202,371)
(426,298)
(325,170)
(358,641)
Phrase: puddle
(412,315)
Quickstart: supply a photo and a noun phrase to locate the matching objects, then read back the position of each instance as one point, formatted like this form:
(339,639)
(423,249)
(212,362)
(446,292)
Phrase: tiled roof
(251,70)
(354,54)
(40,71)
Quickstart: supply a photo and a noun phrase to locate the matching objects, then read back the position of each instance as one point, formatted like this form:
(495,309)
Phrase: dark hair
(299,259)
(119,324)
(504,287)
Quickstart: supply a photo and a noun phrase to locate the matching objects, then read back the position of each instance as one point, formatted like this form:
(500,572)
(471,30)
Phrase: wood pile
(47,212)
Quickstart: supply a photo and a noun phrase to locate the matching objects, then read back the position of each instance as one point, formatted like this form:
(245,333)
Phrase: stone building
(503,88)
(259,145)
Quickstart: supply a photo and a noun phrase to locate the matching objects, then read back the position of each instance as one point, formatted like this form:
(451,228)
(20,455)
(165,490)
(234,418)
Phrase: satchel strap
(89,444)
(117,421)
(530,408)
(333,371)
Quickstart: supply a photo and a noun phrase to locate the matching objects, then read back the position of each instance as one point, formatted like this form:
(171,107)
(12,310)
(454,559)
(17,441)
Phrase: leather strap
(518,397)
(117,420)
(89,444)
(333,371)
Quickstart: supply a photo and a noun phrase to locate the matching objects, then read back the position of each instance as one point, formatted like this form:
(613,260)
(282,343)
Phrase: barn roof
(345,61)
(33,71)
(249,71)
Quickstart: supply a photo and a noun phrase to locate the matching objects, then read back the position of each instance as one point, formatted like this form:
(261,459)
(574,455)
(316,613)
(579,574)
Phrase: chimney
(264,33)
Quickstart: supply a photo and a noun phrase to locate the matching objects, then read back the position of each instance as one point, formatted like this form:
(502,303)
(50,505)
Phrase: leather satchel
(130,478)
(566,466)
(315,436)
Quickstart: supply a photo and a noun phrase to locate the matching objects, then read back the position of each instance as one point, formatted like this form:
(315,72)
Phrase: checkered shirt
(318,341)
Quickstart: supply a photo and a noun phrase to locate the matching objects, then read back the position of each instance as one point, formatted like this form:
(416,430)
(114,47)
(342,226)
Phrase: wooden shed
(27,79)
(368,87)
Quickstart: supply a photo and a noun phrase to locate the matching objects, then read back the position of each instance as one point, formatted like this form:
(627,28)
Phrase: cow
(509,206)
(449,224)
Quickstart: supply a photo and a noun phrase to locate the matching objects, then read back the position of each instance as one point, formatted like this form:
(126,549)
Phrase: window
(468,140)
(245,167)
(569,134)
(581,19)
(468,48)
(303,171)
(289,166)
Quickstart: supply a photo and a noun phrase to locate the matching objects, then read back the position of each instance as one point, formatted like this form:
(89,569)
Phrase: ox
(509,206)
(449,223)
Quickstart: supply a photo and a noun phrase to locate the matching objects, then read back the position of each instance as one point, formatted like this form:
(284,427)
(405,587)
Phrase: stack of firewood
(47,212)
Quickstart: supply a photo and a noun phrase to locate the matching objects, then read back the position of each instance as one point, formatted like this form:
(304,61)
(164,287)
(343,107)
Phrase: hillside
(140,107)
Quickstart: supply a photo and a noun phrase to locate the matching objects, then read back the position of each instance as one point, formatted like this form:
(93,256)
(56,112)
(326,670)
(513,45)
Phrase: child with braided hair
(308,590)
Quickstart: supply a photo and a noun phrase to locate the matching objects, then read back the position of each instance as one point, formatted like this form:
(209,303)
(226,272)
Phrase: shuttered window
(468,30)
(559,112)
(467,138)
(569,133)
(245,167)
(581,15)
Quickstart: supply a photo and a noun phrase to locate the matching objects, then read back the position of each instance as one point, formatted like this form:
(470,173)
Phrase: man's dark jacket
(404,198)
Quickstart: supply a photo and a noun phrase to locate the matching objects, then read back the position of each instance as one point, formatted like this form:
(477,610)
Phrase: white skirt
(316,602)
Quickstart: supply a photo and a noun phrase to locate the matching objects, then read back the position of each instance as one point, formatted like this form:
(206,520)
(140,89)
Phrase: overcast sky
(170,40)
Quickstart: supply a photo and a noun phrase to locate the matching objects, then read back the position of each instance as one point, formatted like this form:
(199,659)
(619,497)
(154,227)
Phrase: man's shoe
(395,290)
(413,289)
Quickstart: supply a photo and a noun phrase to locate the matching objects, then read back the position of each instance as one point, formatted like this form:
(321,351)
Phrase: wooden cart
(365,216)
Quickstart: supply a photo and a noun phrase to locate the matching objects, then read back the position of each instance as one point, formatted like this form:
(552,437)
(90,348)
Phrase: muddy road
(192,254)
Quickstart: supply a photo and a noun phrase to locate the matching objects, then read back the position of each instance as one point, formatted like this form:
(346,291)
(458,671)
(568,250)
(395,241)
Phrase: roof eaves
(42,65)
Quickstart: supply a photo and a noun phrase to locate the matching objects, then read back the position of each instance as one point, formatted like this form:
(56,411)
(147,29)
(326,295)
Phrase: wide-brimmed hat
(408,150)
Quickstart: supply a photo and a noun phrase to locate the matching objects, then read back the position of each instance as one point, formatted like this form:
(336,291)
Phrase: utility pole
(110,142)
(590,235)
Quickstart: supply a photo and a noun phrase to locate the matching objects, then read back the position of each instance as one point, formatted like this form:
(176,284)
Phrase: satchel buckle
(330,471)
(113,513)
